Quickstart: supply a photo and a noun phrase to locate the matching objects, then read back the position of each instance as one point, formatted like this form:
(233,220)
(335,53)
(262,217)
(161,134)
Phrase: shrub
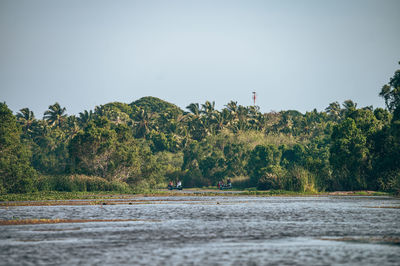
(299,179)
(272,178)
(390,182)
(80,183)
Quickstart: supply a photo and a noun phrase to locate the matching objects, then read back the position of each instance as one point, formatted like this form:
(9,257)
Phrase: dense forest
(146,143)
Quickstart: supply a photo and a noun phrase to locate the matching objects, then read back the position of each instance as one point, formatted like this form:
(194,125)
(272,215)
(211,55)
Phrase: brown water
(209,230)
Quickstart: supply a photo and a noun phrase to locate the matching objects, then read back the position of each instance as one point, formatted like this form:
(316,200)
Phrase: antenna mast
(254,97)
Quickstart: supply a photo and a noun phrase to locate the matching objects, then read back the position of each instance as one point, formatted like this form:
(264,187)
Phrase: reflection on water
(210,230)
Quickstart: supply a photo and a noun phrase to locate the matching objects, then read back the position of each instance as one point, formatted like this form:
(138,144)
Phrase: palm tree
(26,118)
(73,126)
(55,115)
(253,114)
(242,115)
(349,104)
(143,120)
(349,107)
(333,110)
(232,107)
(85,117)
(221,119)
(209,118)
(208,108)
(194,108)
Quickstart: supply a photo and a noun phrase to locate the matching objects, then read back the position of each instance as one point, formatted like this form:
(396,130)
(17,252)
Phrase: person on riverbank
(170,184)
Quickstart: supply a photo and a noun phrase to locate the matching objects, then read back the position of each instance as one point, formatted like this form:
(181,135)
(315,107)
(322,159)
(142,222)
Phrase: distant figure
(229,182)
(170,185)
(179,184)
(219,184)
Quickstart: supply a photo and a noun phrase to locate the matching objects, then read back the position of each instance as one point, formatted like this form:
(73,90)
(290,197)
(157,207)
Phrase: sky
(298,54)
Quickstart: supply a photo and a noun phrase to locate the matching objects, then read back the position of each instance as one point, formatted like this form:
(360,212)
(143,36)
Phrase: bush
(194,178)
(299,179)
(80,183)
(272,178)
(390,182)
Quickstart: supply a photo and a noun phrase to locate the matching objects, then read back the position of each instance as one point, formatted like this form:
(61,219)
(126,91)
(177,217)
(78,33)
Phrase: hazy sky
(296,54)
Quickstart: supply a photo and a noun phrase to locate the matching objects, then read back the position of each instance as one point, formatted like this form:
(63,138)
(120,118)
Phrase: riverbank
(95,198)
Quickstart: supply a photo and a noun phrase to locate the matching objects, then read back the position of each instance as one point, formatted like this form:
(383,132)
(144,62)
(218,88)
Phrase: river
(223,230)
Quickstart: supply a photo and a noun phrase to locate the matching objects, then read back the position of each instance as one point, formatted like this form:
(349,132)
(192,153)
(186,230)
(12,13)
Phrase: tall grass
(295,179)
(74,183)
(300,179)
(240,182)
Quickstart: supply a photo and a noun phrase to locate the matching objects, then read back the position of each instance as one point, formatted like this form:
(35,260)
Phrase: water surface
(209,230)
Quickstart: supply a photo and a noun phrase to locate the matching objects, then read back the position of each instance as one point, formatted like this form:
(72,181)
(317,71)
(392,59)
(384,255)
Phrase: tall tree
(16,174)
(194,108)
(349,106)
(208,108)
(85,117)
(143,121)
(349,154)
(333,111)
(55,115)
(391,93)
(26,118)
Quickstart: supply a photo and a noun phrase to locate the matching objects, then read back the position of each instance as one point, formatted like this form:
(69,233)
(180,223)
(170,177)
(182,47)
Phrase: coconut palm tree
(349,106)
(221,119)
(333,110)
(26,118)
(73,126)
(208,108)
(194,108)
(242,118)
(232,107)
(55,115)
(143,121)
(85,117)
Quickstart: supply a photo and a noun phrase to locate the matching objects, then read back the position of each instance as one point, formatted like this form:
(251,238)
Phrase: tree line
(146,143)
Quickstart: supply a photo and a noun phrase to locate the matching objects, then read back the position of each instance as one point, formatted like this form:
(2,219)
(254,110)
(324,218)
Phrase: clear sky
(300,54)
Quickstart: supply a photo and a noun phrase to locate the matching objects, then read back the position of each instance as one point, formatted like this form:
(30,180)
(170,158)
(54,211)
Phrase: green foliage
(115,112)
(293,156)
(155,105)
(262,160)
(270,177)
(75,183)
(169,165)
(55,116)
(215,158)
(62,195)
(390,181)
(91,149)
(299,179)
(391,93)
(150,141)
(163,142)
(348,156)
(16,174)
(50,153)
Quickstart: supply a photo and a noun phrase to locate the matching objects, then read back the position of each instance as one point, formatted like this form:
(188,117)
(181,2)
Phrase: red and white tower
(254,97)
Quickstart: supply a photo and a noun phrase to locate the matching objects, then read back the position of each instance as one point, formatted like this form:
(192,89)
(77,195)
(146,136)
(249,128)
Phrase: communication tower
(254,97)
